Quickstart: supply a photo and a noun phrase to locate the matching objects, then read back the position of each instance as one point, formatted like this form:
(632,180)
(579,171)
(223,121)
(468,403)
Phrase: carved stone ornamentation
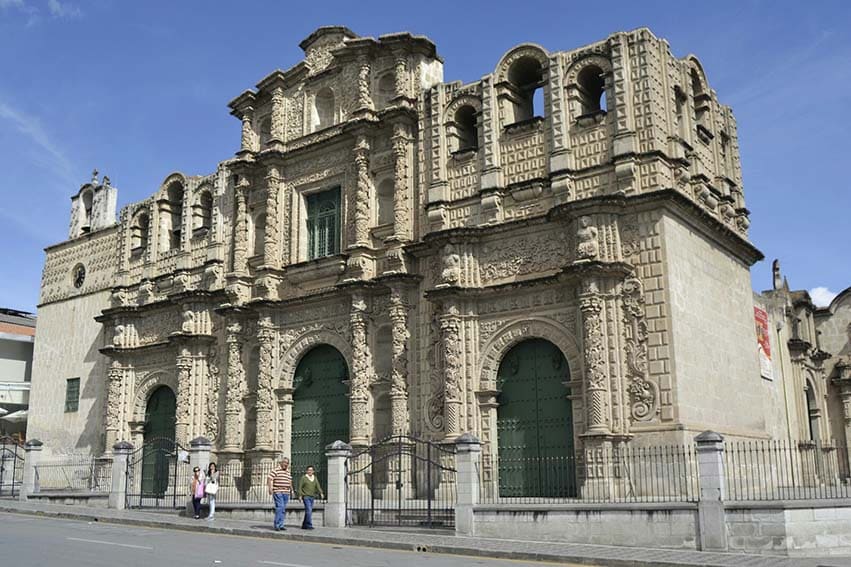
(248,141)
(115,378)
(235,387)
(587,247)
(644,394)
(364,96)
(531,254)
(399,374)
(363,191)
(211,419)
(596,379)
(451,272)
(278,126)
(450,333)
(184,396)
(401,76)
(265,403)
(401,208)
(361,370)
(188,320)
(270,238)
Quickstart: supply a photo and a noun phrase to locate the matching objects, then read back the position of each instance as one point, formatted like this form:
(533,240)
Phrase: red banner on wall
(763,342)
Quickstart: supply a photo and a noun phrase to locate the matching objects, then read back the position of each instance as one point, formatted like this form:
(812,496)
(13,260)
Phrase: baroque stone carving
(212,410)
(434,406)
(644,395)
(451,273)
(521,256)
(450,331)
(587,247)
(265,401)
(595,364)
(399,374)
(400,182)
(362,192)
(235,386)
(361,366)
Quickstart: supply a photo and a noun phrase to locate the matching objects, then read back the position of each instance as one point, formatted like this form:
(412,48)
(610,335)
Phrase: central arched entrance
(159,440)
(535,423)
(320,408)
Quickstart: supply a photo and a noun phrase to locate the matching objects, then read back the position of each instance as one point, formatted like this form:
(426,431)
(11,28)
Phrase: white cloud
(63,10)
(822,296)
(19,4)
(29,127)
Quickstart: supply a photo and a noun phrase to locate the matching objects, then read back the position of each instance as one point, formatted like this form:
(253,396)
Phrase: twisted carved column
(401,222)
(360,371)
(235,385)
(450,332)
(247,140)
(362,192)
(265,404)
(114,377)
(184,396)
(399,376)
(240,240)
(595,369)
(270,242)
(401,76)
(364,96)
(278,115)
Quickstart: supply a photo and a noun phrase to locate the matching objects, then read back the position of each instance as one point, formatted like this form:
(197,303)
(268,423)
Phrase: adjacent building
(17,334)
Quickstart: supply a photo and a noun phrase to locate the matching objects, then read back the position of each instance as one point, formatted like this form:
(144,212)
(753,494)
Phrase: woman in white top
(212,487)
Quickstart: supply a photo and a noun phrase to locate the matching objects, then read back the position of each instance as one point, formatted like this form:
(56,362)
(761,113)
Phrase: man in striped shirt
(280,485)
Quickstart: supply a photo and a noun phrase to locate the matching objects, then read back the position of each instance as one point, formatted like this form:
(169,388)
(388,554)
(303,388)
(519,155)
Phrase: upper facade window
(86,225)
(139,232)
(592,89)
(525,83)
(323,224)
(386,91)
(466,129)
(202,212)
(323,110)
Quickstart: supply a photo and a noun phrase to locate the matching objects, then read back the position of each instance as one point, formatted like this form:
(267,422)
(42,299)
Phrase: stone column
(843,380)
(235,388)
(596,387)
(364,95)
(285,409)
(710,463)
(118,489)
(401,76)
(270,237)
(363,190)
(184,395)
(265,385)
(335,505)
(247,142)
(276,141)
(450,333)
(361,370)
(401,205)
(32,456)
(468,452)
(114,379)
(240,231)
(199,453)
(399,376)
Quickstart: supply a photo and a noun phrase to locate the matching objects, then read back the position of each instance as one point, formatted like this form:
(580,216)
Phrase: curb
(458,550)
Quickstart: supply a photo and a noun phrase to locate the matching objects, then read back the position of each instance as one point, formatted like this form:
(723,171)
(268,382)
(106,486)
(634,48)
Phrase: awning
(3,412)
(16,416)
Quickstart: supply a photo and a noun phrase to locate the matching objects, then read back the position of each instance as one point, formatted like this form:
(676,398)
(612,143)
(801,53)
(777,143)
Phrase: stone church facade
(388,253)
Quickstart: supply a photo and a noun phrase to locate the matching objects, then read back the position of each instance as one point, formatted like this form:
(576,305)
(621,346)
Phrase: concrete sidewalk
(426,542)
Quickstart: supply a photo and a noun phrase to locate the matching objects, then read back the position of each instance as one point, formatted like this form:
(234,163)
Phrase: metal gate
(11,467)
(402,481)
(158,475)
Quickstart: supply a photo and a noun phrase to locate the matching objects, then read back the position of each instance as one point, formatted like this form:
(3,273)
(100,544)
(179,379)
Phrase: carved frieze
(522,255)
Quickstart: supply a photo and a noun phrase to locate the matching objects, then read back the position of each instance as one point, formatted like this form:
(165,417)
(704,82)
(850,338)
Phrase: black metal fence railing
(158,475)
(785,470)
(11,467)
(617,474)
(243,479)
(76,473)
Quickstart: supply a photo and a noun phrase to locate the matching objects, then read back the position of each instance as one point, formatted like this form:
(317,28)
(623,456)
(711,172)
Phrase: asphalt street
(28,541)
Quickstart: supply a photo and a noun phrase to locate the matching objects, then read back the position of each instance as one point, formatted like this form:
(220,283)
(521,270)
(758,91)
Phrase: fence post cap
(123,446)
(200,441)
(33,444)
(709,437)
(467,439)
(338,446)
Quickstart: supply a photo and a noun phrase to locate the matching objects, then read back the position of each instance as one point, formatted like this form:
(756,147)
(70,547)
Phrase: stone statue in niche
(118,338)
(188,325)
(451,273)
(587,247)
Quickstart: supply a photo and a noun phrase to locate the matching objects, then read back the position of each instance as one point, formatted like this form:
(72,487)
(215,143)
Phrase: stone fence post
(711,516)
(335,507)
(32,455)
(199,453)
(468,451)
(120,461)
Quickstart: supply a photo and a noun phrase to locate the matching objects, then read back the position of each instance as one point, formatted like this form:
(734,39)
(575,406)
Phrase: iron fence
(242,478)
(11,467)
(616,474)
(158,475)
(785,470)
(75,473)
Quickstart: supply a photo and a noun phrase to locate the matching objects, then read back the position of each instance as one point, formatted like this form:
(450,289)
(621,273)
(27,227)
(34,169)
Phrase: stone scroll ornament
(435,401)
(644,394)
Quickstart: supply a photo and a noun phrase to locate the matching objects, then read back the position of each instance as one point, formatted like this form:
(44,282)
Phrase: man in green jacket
(308,490)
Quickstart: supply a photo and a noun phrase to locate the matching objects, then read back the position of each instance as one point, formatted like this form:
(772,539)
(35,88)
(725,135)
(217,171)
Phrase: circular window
(79,275)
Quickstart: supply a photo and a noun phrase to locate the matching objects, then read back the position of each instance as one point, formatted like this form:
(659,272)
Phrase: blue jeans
(308,512)
(281,500)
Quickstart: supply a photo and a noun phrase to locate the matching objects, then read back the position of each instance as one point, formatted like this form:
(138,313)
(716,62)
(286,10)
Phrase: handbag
(211,488)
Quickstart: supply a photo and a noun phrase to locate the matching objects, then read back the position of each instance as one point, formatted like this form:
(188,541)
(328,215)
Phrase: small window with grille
(72,395)
(323,224)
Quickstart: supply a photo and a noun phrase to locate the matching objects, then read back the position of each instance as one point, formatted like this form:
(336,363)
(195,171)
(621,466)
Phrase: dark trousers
(196,504)
(308,512)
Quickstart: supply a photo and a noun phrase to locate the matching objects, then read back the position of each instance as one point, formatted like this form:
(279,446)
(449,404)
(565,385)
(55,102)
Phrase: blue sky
(140,89)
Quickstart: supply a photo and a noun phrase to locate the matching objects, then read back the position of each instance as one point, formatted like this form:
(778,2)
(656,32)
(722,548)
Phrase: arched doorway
(320,408)
(535,422)
(159,445)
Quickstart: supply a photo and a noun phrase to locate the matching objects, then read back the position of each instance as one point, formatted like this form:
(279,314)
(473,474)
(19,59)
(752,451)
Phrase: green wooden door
(159,441)
(320,408)
(535,423)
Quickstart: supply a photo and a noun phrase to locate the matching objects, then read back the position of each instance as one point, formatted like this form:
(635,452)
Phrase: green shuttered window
(323,224)
(72,394)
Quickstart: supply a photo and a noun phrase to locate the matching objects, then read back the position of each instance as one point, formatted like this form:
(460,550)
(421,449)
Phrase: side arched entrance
(320,408)
(159,441)
(535,423)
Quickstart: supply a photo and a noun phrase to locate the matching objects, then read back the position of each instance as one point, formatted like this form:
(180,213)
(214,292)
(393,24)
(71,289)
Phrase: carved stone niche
(526,191)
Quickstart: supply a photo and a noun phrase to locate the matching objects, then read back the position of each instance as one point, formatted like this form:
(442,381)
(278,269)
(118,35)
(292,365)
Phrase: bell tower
(93,207)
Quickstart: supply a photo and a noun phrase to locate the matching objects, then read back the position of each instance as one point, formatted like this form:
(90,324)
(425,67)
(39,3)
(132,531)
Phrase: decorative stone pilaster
(401,206)
(450,335)
(401,76)
(363,190)
(710,469)
(364,95)
(596,378)
(468,454)
(276,140)
(337,454)
(115,378)
(643,392)
(184,395)
(248,142)
(240,232)
(235,387)
(399,374)
(361,370)
(118,477)
(265,385)
(270,242)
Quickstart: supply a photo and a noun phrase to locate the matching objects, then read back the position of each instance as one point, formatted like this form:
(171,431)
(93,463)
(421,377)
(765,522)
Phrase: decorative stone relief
(361,370)
(248,141)
(362,192)
(265,402)
(434,405)
(450,331)
(184,395)
(520,256)
(235,387)
(278,114)
(451,272)
(212,410)
(596,377)
(399,375)
(587,247)
(270,238)
(364,96)
(401,222)
(644,394)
